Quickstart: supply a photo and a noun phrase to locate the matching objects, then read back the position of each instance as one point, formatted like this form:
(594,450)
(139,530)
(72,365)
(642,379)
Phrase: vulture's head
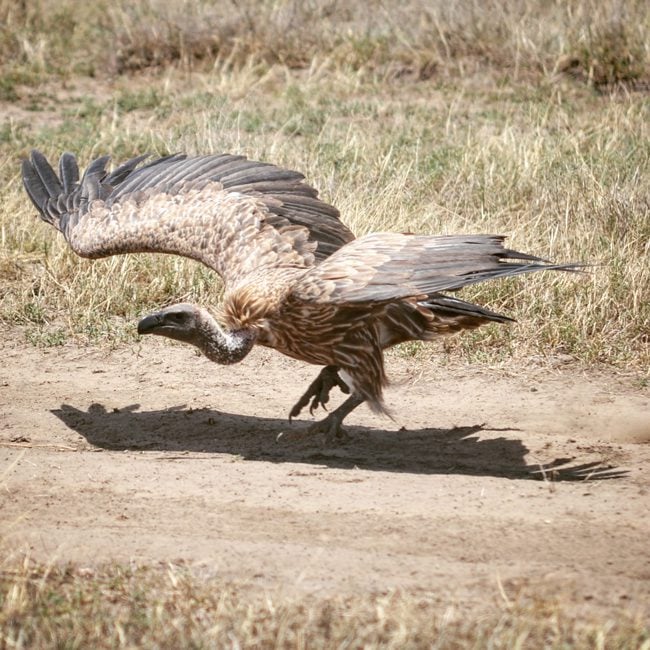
(181,322)
(195,325)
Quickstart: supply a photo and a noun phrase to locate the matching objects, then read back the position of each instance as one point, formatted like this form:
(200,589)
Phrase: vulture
(295,277)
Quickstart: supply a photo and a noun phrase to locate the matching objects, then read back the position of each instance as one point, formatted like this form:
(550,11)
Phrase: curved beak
(149,323)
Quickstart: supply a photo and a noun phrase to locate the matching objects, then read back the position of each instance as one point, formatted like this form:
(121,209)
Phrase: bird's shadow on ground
(472,450)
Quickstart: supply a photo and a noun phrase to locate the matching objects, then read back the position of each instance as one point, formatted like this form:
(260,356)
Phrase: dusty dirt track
(476,493)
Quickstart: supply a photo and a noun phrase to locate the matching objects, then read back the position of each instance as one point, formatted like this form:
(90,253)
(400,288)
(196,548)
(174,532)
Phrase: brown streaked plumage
(295,277)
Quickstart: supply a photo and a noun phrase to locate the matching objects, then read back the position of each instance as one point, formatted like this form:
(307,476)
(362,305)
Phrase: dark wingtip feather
(511,254)
(96,168)
(68,171)
(50,181)
(124,170)
(34,186)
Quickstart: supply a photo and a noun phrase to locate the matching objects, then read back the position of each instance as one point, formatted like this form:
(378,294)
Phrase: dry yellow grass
(169,607)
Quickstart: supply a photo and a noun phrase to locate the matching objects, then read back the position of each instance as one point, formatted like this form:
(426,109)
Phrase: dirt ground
(489,485)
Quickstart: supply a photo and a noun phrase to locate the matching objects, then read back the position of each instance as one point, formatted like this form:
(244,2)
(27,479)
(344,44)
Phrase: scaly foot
(331,427)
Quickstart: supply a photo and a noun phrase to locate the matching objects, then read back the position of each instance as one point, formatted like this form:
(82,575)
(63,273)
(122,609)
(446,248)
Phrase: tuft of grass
(143,606)
(606,48)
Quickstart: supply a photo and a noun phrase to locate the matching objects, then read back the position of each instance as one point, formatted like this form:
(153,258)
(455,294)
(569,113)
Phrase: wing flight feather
(388,266)
(235,215)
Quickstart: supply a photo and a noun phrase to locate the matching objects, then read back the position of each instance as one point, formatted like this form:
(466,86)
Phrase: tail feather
(450,306)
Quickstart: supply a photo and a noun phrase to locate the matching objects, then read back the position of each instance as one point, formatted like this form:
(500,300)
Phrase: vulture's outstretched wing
(234,215)
(389,266)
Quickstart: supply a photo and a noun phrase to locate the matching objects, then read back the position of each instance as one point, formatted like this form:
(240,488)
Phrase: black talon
(319,390)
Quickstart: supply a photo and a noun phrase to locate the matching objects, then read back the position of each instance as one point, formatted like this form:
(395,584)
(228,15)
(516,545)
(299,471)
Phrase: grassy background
(528,119)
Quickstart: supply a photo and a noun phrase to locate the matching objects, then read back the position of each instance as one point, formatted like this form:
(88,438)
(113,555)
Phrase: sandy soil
(488,486)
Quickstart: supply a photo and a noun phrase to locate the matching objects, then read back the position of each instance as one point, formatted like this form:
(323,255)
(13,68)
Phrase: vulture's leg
(332,425)
(319,391)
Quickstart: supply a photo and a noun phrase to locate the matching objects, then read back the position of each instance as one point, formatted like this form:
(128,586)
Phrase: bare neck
(221,346)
